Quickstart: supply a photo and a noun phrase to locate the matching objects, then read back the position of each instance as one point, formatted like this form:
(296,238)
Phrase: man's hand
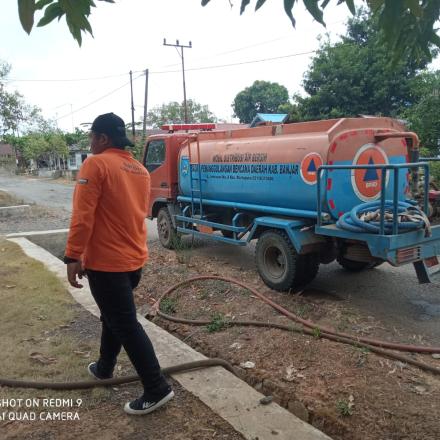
(74,270)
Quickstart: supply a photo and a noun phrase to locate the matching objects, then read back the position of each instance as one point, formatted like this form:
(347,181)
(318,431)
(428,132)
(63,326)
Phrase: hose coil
(365,218)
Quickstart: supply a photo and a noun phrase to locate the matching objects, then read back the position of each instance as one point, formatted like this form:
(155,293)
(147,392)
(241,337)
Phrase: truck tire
(278,264)
(168,236)
(309,266)
(356,266)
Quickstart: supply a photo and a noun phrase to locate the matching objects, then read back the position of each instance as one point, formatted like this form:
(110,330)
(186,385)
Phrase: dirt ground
(46,336)
(101,415)
(347,392)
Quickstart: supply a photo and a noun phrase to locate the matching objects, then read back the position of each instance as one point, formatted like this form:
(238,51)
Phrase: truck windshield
(155,156)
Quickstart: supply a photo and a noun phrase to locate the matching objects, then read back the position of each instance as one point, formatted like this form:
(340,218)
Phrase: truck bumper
(400,249)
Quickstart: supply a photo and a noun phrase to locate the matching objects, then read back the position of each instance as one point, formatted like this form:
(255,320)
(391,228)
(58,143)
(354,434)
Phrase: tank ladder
(195,167)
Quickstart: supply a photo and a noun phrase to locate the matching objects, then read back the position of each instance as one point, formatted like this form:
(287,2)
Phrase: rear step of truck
(187,228)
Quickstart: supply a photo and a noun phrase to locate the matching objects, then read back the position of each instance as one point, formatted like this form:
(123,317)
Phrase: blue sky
(128,35)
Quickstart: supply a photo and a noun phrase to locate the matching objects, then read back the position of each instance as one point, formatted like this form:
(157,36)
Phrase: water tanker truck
(308,193)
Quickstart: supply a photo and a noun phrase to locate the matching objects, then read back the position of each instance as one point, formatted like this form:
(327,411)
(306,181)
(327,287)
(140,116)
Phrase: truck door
(156,164)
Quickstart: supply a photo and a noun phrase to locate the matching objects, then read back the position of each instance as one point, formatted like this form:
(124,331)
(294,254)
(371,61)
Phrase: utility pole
(181,46)
(71,116)
(132,108)
(144,127)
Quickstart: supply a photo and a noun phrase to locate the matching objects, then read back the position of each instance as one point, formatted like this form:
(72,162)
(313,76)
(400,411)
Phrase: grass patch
(168,306)
(316,332)
(36,309)
(345,407)
(218,323)
(303,310)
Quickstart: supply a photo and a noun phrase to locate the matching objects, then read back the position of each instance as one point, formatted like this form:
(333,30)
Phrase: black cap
(114,127)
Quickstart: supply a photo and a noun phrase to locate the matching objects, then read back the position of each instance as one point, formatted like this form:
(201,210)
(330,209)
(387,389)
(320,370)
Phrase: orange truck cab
(160,157)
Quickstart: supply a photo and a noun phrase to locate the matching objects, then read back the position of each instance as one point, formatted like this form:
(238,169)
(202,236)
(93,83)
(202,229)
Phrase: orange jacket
(110,203)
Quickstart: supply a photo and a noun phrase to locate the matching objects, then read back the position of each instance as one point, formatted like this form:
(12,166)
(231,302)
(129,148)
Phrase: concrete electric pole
(144,125)
(133,128)
(181,46)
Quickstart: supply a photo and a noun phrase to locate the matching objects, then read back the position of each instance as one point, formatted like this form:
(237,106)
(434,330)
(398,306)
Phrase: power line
(234,50)
(195,68)
(172,71)
(96,78)
(164,71)
(261,43)
(96,100)
(169,65)
(240,63)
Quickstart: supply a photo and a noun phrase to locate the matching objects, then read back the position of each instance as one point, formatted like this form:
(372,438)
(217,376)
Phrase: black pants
(113,293)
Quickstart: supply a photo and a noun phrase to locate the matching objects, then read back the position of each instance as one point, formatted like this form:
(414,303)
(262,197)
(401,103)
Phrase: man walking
(107,242)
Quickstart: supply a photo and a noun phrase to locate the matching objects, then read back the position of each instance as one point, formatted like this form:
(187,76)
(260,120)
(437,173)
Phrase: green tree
(408,25)
(424,116)
(260,97)
(57,143)
(79,138)
(174,113)
(15,114)
(292,109)
(49,148)
(34,146)
(356,76)
(11,104)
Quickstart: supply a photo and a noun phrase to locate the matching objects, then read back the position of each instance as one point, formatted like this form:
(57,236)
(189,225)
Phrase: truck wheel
(277,261)
(308,268)
(354,266)
(168,235)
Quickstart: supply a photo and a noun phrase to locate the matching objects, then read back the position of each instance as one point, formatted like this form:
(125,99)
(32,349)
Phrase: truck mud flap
(428,270)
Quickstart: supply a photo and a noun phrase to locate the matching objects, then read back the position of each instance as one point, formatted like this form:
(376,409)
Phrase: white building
(76,157)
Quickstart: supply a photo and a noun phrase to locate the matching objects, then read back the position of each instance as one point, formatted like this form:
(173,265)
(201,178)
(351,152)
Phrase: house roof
(276,118)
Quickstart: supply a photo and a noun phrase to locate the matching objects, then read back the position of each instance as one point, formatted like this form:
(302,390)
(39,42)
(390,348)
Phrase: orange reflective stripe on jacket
(110,203)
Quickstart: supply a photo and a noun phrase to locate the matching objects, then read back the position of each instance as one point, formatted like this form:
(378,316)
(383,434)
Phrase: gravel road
(53,195)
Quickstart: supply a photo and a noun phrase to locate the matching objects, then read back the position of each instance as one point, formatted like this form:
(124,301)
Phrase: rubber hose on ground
(323,330)
(203,363)
(301,330)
